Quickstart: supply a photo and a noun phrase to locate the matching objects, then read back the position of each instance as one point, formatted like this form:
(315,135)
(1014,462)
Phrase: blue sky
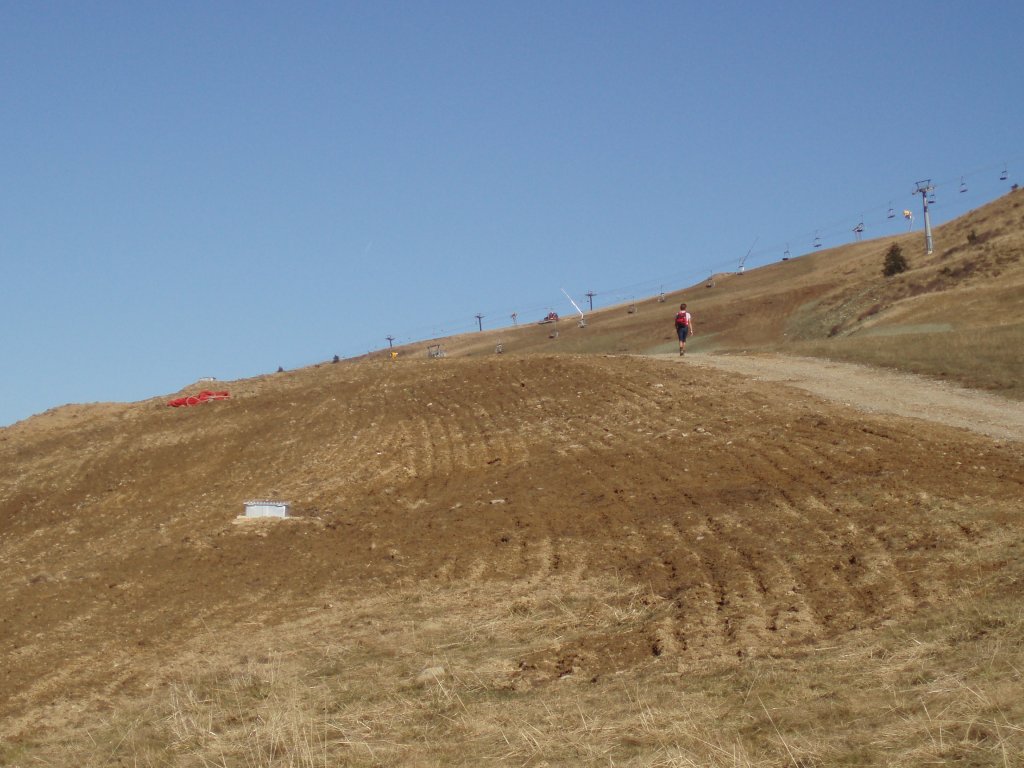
(218,189)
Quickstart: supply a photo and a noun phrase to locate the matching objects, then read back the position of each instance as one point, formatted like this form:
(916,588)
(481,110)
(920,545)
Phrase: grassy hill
(956,314)
(560,555)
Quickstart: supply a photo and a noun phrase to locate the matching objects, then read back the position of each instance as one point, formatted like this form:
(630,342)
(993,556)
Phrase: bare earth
(879,391)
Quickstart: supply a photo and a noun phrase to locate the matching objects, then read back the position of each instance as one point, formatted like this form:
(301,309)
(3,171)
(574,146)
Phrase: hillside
(561,555)
(957,314)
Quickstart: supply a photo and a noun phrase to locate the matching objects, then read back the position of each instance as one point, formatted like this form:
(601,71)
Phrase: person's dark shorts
(683,331)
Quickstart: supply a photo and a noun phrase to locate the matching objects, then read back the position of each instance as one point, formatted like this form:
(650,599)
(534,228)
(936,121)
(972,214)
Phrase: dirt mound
(757,519)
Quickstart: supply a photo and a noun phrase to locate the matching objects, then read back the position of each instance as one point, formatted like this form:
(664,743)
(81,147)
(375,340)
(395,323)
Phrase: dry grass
(418,678)
(988,359)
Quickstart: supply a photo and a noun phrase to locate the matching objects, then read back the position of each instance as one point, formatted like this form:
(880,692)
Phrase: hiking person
(684,327)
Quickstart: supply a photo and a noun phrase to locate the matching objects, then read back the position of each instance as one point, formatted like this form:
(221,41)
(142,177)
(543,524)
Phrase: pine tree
(895,261)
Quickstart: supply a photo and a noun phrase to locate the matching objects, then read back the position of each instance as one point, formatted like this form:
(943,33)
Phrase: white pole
(573,303)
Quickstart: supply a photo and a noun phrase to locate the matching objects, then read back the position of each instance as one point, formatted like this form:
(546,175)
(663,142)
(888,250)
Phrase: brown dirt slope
(756,522)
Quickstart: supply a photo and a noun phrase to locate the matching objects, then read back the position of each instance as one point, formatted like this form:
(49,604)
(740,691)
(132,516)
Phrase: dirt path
(879,391)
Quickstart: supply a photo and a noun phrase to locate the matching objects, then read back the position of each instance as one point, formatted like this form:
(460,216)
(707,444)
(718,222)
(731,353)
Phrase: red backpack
(682,318)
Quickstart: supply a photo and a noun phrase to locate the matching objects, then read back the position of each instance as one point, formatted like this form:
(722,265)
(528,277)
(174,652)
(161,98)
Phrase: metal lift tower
(925,188)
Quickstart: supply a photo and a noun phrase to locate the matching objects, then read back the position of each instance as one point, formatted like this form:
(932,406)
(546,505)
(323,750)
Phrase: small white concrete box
(265,508)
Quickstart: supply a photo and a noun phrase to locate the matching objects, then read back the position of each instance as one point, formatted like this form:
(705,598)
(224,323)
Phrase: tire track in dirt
(464,444)
(576,440)
(854,552)
(754,536)
(767,549)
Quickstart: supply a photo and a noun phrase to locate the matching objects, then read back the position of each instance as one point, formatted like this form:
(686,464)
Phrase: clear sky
(218,189)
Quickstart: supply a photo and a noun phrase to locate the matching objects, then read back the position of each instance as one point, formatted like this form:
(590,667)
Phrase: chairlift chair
(1005,174)
(817,242)
(963,185)
(891,214)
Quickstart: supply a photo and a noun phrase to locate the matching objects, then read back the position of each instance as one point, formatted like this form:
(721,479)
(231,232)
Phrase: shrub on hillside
(895,261)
